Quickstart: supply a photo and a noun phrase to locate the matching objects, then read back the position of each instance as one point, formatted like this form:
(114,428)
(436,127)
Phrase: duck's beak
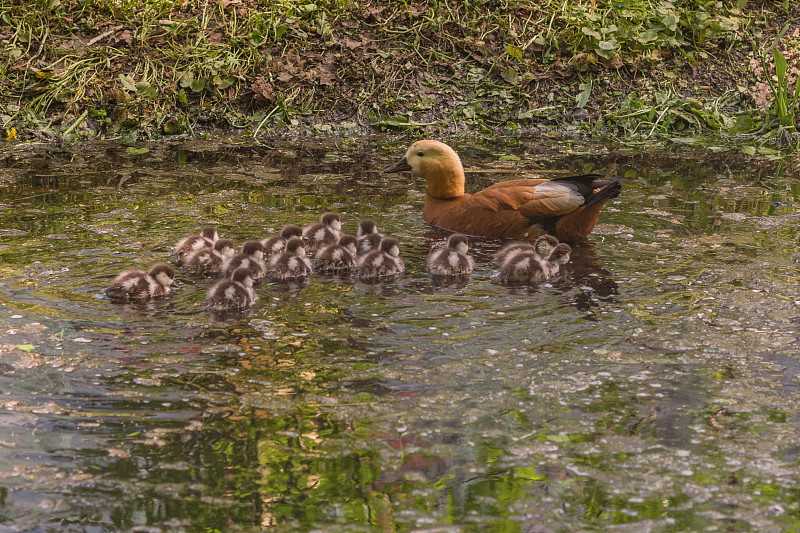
(400,166)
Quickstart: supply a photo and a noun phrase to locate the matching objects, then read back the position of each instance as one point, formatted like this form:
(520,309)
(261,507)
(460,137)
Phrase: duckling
(292,263)
(209,261)
(542,246)
(452,260)
(567,207)
(523,267)
(191,243)
(558,257)
(251,256)
(385,261)
(325,232)
(369,243)
(337,258)
(233,293)
(141,285)
(530,267)
(276,244)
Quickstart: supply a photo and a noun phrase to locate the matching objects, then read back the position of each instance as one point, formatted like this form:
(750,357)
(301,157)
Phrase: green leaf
(127,82)
(514,51)
(583,96)
(749,150)
(26,347)
(591,33)
(198,85)
(137,151)
(780,65)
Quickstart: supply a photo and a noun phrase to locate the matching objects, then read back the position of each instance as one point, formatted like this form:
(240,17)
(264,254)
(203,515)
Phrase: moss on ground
(128,69)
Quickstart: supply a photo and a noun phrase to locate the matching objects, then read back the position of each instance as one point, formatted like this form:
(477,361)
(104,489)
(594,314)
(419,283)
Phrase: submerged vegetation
(125,68)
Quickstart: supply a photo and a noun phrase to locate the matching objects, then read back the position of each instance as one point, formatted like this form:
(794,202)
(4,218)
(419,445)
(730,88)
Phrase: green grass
(126,69)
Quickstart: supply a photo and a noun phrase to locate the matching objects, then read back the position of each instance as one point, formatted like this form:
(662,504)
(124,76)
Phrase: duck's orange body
(567,207)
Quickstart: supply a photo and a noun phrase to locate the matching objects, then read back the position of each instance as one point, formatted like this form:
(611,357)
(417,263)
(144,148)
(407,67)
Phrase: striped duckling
(543,245)
(209,261)
(192,243)
(452,260)
(141,285)
(383,262)
(276,244)
(337,258)
(292,263)
(529,267)
(251,256)
(323,233)
(233,293)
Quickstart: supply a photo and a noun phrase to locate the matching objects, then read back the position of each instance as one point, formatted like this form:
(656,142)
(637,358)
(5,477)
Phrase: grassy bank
(129,69)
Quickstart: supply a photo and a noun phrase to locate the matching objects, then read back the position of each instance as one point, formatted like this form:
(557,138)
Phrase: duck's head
(163,274)
(209,233)
(458,242)
(390,246)
(438,164)
(332,220)
(349,242)
(253,249)
(295,246)
(560,254)
(291,230)
(544,244)
(225,247)
(366,227)
(243,275)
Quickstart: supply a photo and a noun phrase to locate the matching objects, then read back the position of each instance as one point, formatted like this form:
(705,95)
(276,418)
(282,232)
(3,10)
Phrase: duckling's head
(243,275)
(560,254)
(545,244)
(458,242)
(331,220)
(390,246)
(209,233)
(291,230)
(295,246)
(349,242)
(366,227)
(225,247)
(438,164)
(163,274)
(253,249)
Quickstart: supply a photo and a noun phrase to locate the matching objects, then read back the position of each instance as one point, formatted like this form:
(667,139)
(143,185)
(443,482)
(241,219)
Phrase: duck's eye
(420,154)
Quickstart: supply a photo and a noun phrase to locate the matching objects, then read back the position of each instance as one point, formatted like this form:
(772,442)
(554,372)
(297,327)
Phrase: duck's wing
(533,198)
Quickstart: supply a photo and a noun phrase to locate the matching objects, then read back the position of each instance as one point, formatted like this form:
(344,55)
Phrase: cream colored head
(438,164)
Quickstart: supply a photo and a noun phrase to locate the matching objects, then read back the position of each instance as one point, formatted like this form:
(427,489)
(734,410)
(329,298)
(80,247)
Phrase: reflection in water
(649,386)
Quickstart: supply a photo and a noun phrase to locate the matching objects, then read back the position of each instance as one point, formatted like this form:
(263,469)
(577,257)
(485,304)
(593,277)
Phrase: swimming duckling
(191,243)
(452,260)
(141,285)
(276,244)
(530,267)
(325,232)
(369,243)
(385,261)
(292,263)
(233,293)
(523,267)
(337,258)
(558,257)
(209,261)
(543,245)
(251,256)
(566,207)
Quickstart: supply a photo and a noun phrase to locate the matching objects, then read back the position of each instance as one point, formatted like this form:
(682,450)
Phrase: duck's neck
(445,178)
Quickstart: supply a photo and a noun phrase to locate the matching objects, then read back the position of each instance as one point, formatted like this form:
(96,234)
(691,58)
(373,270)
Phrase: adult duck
(566,207)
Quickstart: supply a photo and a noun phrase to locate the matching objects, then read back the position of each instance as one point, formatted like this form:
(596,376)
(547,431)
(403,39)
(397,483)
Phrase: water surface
(651,387)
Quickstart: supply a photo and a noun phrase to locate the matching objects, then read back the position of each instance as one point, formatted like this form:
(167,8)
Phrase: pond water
(653,386)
